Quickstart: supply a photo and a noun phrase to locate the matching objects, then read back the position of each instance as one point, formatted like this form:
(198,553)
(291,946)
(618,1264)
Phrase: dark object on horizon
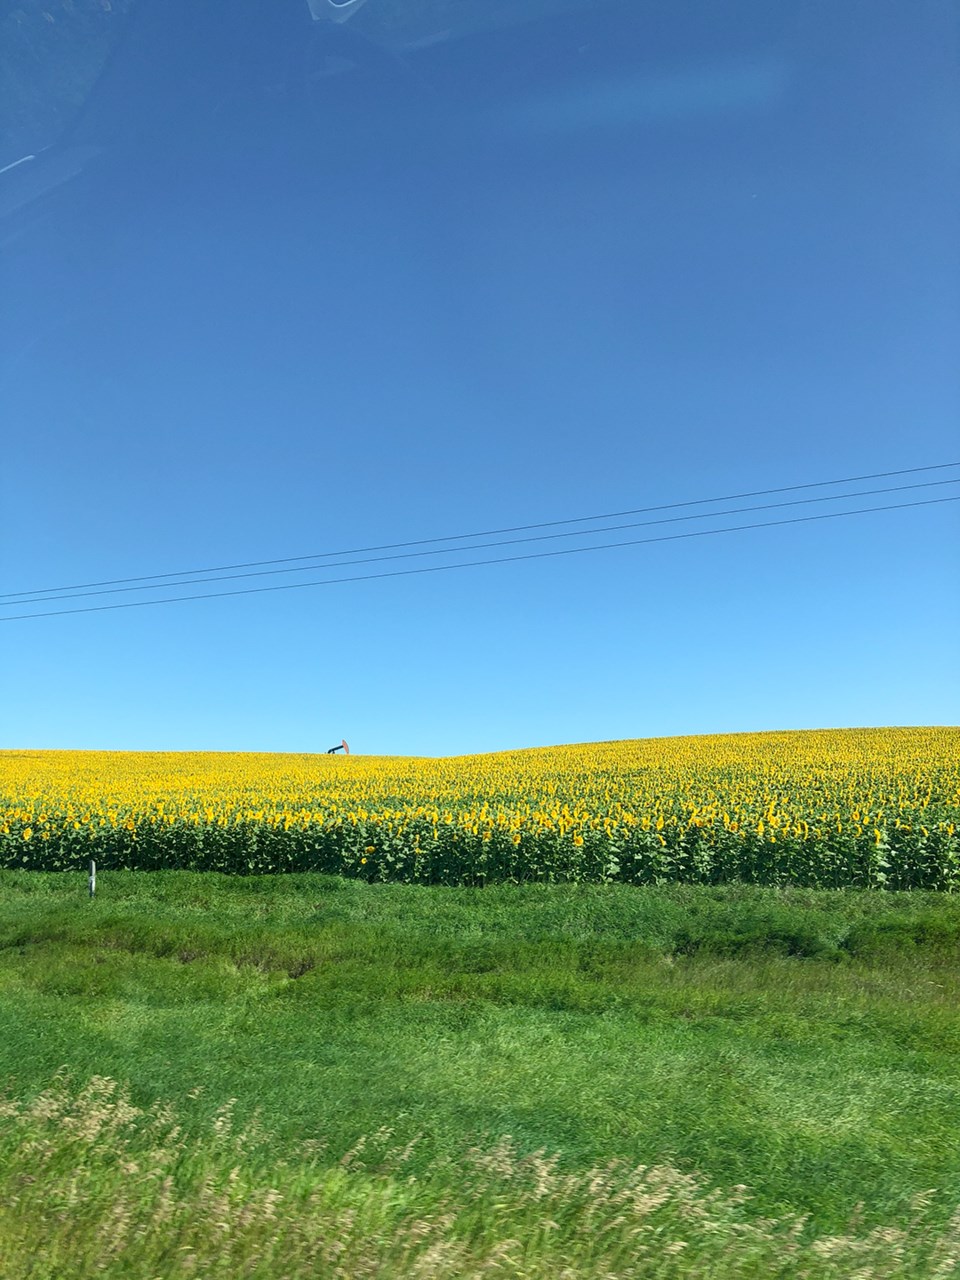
(342,747)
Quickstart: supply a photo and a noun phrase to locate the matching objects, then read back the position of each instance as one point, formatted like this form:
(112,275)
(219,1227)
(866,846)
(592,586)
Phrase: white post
(93,877)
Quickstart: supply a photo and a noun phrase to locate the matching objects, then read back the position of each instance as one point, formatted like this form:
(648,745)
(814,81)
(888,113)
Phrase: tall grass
(304,1075)
(95,1186)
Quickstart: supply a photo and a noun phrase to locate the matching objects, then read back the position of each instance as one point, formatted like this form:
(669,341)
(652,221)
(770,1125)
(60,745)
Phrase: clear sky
(637,257)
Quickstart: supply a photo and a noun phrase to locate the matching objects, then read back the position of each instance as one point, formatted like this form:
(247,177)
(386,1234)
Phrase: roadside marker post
(93,877)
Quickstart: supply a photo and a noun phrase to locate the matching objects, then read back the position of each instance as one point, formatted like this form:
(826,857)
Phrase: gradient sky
(645,258)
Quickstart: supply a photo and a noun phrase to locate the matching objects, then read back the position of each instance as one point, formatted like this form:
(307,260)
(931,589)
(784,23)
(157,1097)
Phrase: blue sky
(687,262)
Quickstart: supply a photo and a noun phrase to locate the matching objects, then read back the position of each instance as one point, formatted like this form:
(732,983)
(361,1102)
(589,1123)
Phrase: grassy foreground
(309,1076)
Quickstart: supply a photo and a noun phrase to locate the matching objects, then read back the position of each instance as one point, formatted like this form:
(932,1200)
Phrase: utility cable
(482,546)
(20,596)
(471,564)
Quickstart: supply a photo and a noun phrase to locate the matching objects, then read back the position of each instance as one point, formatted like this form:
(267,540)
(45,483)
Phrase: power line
(543,537)
(472,564)
(20,596)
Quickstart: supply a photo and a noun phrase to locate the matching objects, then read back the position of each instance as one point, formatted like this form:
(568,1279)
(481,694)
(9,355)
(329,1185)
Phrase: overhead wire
(21,597)
(470,564)
(457,550)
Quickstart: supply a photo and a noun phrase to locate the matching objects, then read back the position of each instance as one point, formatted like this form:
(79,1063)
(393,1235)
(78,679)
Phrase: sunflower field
(826,808)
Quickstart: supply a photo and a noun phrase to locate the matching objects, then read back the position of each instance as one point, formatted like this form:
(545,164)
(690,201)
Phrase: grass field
(308,1075)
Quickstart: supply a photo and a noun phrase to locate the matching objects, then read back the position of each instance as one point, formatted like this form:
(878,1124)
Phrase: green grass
(804,1045)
